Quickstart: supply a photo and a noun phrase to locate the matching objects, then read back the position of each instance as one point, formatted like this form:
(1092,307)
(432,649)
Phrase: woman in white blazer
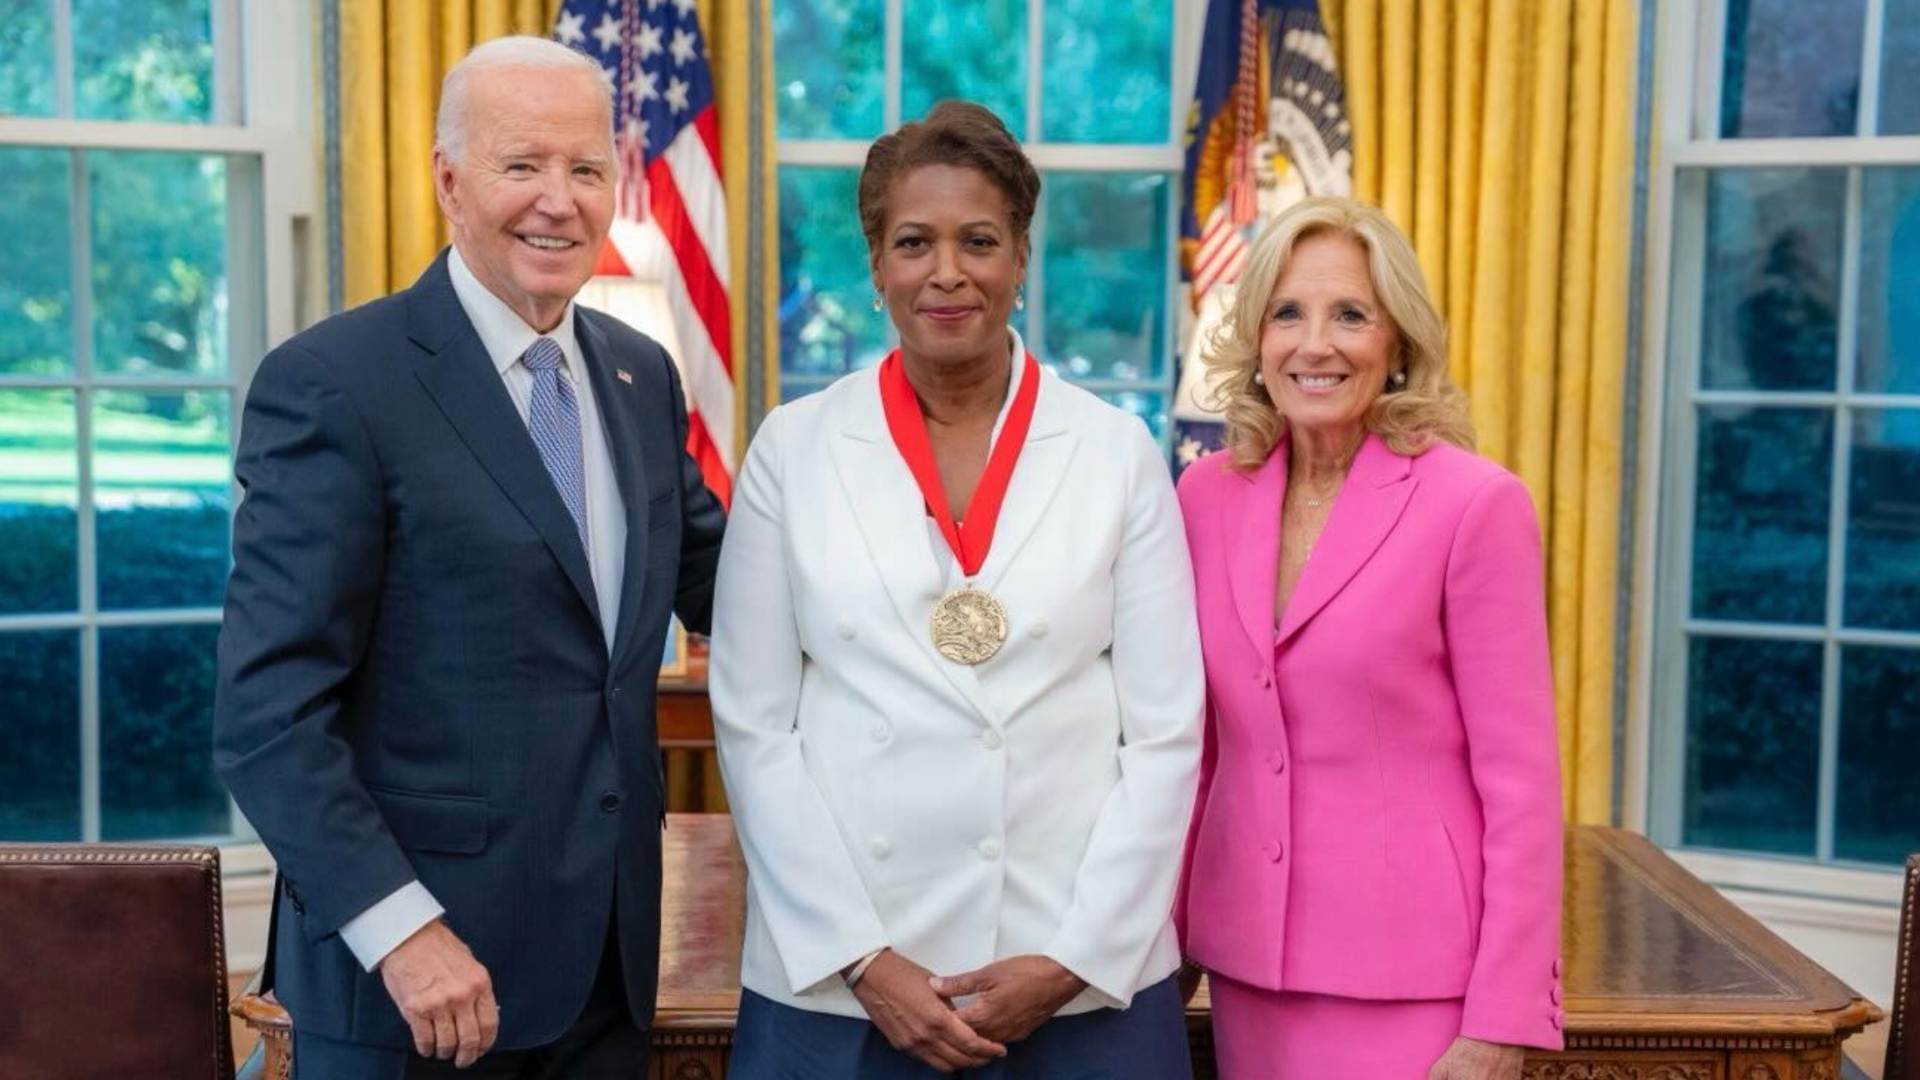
(961,746)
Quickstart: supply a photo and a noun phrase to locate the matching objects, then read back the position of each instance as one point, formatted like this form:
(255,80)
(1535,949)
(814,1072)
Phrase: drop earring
(1019,301)
(878,304)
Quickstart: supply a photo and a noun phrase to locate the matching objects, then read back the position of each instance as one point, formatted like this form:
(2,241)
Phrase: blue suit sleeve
(308,557)
(702,523)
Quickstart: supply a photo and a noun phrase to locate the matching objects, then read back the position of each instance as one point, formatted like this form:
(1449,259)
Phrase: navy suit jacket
(414,681)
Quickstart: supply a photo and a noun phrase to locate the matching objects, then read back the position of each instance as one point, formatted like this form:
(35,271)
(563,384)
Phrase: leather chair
(1903,1027)
(112,962)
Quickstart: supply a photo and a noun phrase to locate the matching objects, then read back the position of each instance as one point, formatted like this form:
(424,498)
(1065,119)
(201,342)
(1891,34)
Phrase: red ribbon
(971,539)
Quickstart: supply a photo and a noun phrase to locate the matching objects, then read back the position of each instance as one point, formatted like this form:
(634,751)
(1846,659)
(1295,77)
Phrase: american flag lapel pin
(621,374)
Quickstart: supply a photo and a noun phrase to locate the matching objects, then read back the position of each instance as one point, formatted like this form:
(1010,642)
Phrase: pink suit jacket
(1379,811)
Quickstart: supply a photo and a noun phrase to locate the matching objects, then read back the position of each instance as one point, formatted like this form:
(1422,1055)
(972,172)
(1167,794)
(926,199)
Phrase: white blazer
(1035,803)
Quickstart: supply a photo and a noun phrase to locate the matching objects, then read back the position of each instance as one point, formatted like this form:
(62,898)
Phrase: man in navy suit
(468,516)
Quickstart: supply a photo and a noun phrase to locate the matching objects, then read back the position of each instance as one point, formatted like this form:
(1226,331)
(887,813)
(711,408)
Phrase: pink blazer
(1379,812)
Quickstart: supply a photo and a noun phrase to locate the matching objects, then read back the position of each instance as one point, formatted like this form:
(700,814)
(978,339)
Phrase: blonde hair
(1411,418)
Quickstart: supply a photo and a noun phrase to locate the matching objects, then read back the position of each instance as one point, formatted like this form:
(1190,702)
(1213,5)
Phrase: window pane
(827,322)
(39,497)
(1877,816)
(1760,514)
(160,465)
(40,770)
(1791,68)
(1753,744)
(1772,279)
(829,68)
(1105,71)
(156,734)
(36,292)
(159,262)
(1149,406)
(26,58)
(1890,279)
(1883,520)
(1105,274)
(972,51)
(1900,69)
(146,61)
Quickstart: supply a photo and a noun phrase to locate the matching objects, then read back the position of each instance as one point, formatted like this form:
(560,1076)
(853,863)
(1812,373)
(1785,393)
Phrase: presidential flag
(1268,126)
(669,235)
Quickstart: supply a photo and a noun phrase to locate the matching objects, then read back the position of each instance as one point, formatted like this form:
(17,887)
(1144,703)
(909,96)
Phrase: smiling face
(532,196)
(948,263)
(1327,345)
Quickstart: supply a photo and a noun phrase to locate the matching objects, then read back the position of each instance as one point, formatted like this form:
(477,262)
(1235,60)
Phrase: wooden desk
(1664,979)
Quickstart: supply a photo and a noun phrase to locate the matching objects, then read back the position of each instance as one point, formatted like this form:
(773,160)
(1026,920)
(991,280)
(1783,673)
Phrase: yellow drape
(1498,134)
(393,54)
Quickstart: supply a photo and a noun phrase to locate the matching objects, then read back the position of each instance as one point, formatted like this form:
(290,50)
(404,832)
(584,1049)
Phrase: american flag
(670,223)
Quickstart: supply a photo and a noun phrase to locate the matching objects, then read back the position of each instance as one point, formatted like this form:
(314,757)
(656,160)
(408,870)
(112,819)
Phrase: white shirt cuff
(375,932)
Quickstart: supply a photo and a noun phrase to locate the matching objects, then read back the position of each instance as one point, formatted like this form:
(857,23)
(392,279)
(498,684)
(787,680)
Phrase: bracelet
(860,968)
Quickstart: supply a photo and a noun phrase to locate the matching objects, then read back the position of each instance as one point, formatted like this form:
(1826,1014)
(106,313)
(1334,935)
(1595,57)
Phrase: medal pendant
(969,625)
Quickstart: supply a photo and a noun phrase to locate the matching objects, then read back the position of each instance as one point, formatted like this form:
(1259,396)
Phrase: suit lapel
(892,518)
(463,382)
(1036,476)
(1366,510)
(1253,563)
(615,401)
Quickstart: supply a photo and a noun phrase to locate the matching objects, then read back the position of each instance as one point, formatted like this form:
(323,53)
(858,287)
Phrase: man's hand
(1014,996)
(1471,1059)
(899,999)
(445,995)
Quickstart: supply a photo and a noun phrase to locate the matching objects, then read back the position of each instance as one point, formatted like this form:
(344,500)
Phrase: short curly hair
(955,133)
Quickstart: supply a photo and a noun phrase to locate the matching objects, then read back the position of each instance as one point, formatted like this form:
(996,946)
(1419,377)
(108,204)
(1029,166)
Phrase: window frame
(260,124)
(1166,159)
(1689,54)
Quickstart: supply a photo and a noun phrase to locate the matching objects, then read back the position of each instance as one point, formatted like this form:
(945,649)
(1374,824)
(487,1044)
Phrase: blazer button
(1277,761)
(610,801)
(989,849)
(992,740)
(1266,679)
(1275,850)
(879,731)
(1556,967)
(1559,1020)
(1553,995)
(880,847)
(845,630)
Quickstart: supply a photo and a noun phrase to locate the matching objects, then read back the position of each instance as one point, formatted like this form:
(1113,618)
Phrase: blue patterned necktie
(553,419)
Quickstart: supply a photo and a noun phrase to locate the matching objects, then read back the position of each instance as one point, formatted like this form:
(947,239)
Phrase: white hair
(518,51)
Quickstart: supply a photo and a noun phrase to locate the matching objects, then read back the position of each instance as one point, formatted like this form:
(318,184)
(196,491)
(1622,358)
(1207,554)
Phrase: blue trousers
(1147,1041)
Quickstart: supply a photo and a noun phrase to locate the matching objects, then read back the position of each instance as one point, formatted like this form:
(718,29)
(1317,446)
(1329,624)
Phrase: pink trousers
(1280,1035)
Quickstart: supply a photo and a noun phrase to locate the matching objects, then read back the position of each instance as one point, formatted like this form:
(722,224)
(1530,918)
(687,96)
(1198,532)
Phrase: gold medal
(969,625)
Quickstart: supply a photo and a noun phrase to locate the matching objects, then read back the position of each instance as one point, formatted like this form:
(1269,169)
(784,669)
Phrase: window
(1786,656)
(138,295)
(1087,85)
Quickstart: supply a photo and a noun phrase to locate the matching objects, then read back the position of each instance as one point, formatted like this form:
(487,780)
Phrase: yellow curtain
(1498,134)
(393,54)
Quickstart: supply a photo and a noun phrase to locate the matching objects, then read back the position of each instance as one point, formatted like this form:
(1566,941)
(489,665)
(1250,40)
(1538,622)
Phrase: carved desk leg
(1626,1065)
(689,1056)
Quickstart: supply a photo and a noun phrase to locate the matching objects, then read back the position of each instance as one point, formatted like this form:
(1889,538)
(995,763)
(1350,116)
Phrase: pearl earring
(1019,301)
(1259,379)
(1399,379)
(878,304)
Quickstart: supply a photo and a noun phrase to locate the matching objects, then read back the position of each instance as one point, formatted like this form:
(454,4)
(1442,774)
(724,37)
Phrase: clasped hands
(913,1007)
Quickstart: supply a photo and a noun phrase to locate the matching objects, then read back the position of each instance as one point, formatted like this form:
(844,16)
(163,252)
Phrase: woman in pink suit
(1373,870)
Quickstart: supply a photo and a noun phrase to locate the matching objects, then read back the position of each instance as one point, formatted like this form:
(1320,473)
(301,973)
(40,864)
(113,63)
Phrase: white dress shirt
(375,932)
